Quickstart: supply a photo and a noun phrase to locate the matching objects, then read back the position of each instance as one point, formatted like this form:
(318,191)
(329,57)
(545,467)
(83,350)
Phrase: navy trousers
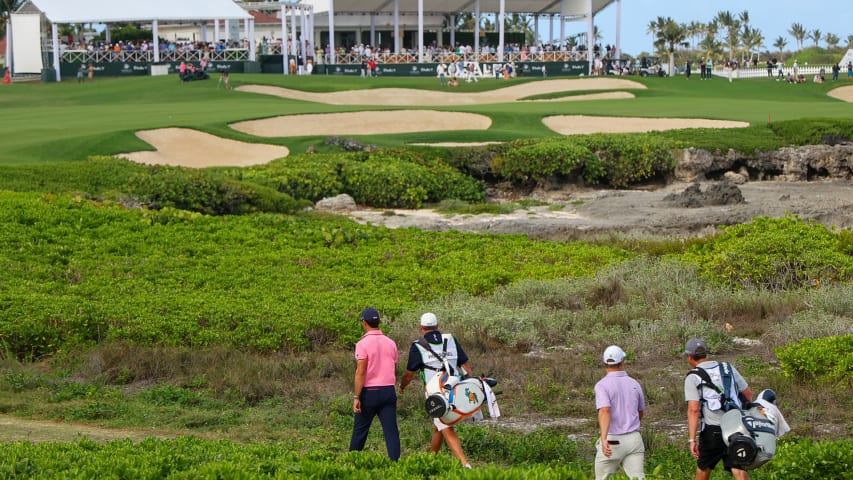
(381,401)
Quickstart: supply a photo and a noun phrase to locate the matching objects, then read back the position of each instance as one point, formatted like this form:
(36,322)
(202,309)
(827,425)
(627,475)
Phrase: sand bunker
(364,123)
(581,124)
(191,148)
(412,97)
(843,93)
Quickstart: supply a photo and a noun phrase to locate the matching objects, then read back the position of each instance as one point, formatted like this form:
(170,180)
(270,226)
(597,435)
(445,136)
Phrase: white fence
(761,72)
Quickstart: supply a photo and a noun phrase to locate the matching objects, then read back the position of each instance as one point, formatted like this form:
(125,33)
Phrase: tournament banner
(128,69)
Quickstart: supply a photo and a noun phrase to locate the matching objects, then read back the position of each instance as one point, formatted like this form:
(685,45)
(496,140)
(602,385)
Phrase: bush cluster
(827,359)
(615,160)
(206,191)
(775,253)
(814,131)
(379,178)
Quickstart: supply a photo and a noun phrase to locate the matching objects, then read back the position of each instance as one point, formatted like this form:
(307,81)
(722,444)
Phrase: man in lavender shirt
(620,403)
(374,394)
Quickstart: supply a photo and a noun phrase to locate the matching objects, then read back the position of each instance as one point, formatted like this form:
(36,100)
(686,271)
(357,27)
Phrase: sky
(772,17)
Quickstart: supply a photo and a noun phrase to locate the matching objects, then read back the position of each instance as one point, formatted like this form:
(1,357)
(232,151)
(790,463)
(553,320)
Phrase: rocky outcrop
(793,164)
(719,193)
(337,204)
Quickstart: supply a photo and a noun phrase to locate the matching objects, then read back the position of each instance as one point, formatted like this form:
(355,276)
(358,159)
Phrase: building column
(477,30)
(155,28)
(501,18)
(396,26)
(311,39)
(9,39)
(54,30)
(226,25)
(204,31)
(253,55)
(373,32)
(332,29)
(551,29)
(536,28)
(294,39)
(420,31)
(452,31)
(590,35)
(107,34)
(618,29)
(216,30)
(285,66)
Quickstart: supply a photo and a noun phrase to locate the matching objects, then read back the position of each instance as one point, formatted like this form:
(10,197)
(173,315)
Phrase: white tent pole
(303,30)
(551,29)
(10,64)
(373,31)
(535,29)
(312,44)
(562,24)
(155,27)
(284,65)
(252,50)
(55,34)
(453,31)
(420,31)
(332,30)
(396,26)
(477,30)
(294,39)
(216,30)
(226,25)
(501,22)
(618,29)
(590,35)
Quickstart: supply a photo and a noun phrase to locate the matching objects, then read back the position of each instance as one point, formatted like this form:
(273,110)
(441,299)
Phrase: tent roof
(570,8)
(100,11)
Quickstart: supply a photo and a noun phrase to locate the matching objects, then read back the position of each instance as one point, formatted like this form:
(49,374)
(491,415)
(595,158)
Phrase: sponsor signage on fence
(429,69)
(127,69)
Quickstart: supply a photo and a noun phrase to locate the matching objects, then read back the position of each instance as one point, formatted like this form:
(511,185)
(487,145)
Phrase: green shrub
(629,158)
(311,177)
(95,176)
(827,359)
(206,191)
(807,460)
(774,253)
(543,445)
(548,158)
(813,131)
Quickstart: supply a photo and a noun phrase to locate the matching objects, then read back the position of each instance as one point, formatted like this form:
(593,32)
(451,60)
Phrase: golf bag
(750,437)
(451,399)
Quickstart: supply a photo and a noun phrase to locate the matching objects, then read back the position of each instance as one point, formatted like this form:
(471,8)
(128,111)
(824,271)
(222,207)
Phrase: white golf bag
(750,437)
(450,399)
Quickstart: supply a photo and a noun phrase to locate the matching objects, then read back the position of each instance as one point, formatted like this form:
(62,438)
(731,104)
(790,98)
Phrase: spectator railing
(147,56)
(757,72)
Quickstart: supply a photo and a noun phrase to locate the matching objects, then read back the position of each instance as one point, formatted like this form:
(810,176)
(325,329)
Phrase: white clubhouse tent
(26,23)
(566,10)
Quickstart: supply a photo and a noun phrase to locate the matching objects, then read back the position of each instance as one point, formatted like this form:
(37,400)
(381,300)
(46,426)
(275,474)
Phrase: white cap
(613,355)
(428,320)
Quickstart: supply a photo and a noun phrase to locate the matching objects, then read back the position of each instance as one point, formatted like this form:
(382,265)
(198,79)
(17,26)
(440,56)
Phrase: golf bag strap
(422,342)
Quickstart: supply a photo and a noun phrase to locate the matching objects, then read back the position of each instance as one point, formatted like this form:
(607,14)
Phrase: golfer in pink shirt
(374,392)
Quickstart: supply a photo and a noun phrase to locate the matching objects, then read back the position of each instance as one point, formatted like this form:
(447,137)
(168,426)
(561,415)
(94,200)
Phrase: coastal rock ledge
(791,164)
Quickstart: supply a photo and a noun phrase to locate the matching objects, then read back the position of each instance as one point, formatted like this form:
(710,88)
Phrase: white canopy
(567,8)
(110,11)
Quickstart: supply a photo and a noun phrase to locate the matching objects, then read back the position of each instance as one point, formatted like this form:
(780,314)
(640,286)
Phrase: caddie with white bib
(711,389)
(450,396)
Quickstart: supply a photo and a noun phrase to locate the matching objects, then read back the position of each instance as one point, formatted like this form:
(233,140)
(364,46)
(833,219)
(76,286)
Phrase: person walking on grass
(705,394)
(423,360)
(373,393)
(620,403)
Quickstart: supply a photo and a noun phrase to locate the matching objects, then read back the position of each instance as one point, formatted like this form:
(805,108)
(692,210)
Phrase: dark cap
(370,315)
(695,346)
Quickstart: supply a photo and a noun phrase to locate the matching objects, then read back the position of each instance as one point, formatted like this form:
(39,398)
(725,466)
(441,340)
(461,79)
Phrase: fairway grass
(70,121)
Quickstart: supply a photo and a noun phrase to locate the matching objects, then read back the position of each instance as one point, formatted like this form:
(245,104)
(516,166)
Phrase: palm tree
(752,39)
(849,41)
(728,20)
(711,47)
(799,33)
(694,29)
(654,27)
(670,35)
(816,35)
(519,23)
(780,44)
(831,40)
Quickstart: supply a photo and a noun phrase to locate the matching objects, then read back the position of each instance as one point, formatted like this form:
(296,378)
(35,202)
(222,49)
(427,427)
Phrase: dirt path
(591,211)
(21,429)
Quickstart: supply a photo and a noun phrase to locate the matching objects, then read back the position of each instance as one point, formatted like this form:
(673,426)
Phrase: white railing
(147,56)
(761,72)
